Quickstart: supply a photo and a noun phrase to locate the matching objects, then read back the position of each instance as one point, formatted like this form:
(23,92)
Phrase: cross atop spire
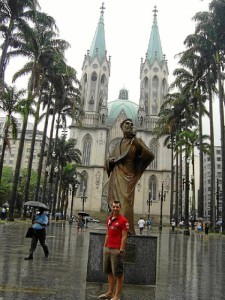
(102,8)
(155,11)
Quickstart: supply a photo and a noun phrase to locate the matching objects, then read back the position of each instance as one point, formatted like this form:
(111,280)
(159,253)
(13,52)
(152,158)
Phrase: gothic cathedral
(101,126)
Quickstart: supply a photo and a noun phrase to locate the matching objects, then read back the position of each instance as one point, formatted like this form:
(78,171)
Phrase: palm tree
(175,113)
(28,45)
(191,139)
(69,179)
(209,42)
(9,103)
(13,17)
(65,153)
(66,103)
(190,77)
(49,49)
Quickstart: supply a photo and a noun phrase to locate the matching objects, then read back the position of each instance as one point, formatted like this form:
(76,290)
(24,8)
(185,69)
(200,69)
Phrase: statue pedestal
(140,259)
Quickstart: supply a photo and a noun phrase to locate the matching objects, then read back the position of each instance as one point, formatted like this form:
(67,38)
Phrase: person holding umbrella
(39,221)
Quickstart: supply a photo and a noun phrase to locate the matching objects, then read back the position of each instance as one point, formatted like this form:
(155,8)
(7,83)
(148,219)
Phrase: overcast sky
(127,31)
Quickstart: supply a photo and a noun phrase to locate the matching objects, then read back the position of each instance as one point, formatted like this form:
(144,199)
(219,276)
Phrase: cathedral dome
(122,104)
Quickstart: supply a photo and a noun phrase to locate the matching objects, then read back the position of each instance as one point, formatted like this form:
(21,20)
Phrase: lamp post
(187,183)
(149,203)
(162,197)
(83,198)
(74,190)
(52,174)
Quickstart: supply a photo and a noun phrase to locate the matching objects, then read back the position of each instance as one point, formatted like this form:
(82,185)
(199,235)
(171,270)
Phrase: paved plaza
(188,267)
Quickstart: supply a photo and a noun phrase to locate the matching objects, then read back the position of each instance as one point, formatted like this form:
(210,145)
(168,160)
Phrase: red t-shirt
(114,230)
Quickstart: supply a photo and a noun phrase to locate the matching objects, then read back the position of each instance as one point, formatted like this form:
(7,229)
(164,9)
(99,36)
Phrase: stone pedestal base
(140,260)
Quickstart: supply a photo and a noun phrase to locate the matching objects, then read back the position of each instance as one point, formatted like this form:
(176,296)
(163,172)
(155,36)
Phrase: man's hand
(137,145)
(111,160)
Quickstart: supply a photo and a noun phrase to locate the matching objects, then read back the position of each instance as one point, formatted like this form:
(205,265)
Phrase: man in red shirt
(113,255)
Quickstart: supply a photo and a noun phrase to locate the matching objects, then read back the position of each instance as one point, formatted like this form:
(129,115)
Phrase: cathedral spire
(98,46)
(154,46)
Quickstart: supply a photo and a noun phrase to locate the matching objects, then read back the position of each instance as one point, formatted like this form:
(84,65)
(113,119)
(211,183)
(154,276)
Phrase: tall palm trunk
(201,175)
(212,155)
(177,189)
(193,207)
(18,166)
(222,133)
(4,144)
(48,160)
(40,164)
(66,195)
(29,166)
(57,177)
(180,186)
(3,59)
(172,180)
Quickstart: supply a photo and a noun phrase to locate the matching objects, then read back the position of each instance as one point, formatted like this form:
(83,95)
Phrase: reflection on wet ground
(187,267)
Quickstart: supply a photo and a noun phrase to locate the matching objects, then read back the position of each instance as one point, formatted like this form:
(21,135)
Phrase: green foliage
(6,185)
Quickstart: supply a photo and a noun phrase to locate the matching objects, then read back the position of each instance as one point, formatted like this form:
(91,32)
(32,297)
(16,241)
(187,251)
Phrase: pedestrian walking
(113,252)
(206,229)
(173,225)
(141,225)
(80,223)
(39,221)
(149,224)
(3,213)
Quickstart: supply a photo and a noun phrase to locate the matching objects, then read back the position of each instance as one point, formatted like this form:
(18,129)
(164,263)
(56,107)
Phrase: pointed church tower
(95,78)
(154,79)
(93,134)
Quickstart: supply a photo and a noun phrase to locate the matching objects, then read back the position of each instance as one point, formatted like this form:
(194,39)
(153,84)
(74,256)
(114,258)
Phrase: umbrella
(219,223)
(83,213)
(36,204)
(5,204)
(207,222)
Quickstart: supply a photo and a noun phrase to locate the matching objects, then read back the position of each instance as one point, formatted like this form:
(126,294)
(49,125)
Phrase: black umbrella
(36,204)
(83,213)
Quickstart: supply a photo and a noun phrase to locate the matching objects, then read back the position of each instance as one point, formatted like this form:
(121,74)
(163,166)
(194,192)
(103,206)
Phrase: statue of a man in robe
(125,166)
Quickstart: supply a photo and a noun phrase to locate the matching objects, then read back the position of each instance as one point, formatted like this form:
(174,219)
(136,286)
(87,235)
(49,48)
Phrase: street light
(162,197)
(187,183)
(149,203)
(74,190)
(83,197)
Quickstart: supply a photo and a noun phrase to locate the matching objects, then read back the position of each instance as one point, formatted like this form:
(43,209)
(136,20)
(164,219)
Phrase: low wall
(140,259)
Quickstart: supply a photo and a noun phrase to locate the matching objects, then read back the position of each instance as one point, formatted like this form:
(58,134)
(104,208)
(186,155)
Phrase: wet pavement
(188,267)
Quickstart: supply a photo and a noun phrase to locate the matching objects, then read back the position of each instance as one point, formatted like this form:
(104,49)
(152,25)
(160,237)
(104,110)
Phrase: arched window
(146,83)
(146,94)
(152,187)
(155,85)
(164,88)
(154,148)
(103,79)
(87,141)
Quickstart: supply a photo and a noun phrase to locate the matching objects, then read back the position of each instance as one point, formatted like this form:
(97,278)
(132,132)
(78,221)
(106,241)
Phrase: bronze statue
(125,166)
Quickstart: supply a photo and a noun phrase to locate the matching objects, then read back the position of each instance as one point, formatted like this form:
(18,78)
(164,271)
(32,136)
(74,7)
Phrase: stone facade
(101,126)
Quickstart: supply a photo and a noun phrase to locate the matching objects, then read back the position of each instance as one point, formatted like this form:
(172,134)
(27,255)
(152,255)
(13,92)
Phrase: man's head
(116,208)
(127,128)
(128,121)
(41,210)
